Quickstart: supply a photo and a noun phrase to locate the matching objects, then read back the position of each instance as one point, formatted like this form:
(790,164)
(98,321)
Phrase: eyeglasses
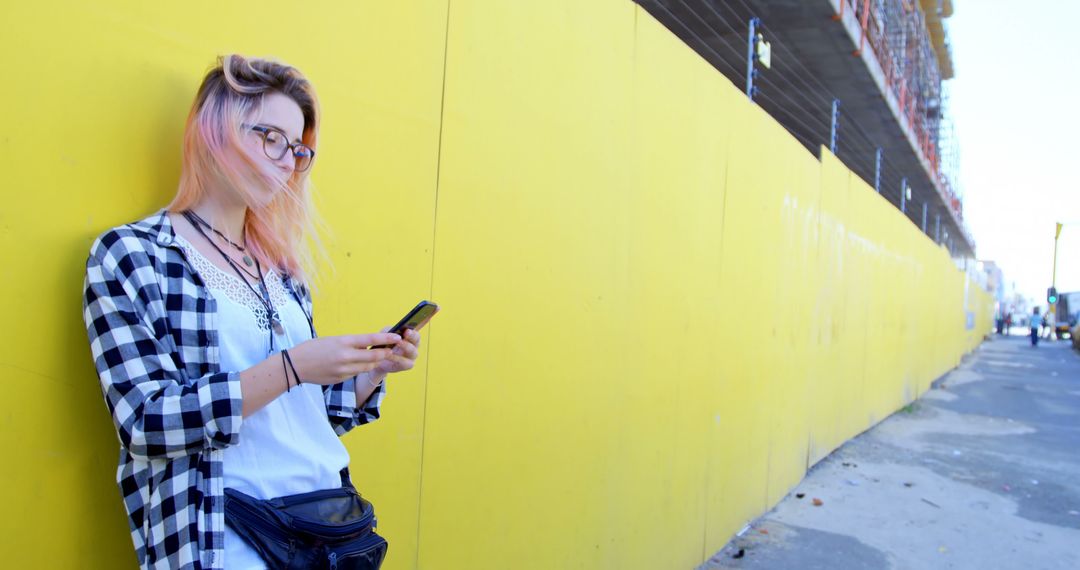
(276,144)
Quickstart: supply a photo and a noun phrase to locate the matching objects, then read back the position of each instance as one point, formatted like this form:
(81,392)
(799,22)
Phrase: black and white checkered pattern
(151,324)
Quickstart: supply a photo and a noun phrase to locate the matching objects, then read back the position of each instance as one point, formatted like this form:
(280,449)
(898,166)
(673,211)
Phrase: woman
(199,320)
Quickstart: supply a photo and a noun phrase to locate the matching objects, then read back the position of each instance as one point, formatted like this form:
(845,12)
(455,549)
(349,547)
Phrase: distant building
(994,280)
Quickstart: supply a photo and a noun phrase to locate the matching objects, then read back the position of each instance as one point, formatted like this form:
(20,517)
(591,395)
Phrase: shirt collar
(161,227)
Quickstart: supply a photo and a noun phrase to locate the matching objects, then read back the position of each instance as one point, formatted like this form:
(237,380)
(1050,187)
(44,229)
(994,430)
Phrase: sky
(1014,101)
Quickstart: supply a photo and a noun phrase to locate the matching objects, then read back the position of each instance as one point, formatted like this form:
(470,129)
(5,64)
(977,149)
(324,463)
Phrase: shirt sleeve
(158,411)
(342,408)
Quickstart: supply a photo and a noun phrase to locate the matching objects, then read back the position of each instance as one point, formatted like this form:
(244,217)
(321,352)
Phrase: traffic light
(1051,295)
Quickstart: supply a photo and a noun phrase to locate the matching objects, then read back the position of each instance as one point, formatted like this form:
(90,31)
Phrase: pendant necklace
(243,250)
(263,293)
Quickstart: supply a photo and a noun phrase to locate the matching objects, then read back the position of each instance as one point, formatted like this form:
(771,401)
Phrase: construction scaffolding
(883,113)
(910,42)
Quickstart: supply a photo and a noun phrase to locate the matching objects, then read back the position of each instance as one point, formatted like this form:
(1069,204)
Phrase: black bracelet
(285,370)
(289,359)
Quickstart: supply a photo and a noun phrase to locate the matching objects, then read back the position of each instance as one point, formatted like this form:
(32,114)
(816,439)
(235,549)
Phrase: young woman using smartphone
(199,321)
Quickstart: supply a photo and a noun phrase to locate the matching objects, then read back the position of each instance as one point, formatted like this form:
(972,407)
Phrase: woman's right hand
(333,359)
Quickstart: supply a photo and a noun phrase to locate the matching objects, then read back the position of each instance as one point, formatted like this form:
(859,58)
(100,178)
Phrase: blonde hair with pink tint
(231,93)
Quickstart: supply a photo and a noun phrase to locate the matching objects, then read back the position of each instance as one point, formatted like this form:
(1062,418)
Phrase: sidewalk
(983,472)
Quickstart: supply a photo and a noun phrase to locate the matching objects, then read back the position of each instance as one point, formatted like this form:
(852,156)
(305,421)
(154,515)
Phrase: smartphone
(414,319)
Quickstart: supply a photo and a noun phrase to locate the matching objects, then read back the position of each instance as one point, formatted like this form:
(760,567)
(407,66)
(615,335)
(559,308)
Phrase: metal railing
(896,33)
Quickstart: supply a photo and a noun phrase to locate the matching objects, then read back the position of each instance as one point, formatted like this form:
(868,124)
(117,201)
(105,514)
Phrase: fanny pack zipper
(257,518)
(372,542)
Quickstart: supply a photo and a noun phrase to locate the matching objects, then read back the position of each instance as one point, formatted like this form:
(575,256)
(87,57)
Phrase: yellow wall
(657,306)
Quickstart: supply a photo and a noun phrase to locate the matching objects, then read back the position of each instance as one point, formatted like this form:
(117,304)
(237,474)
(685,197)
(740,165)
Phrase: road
(982,472)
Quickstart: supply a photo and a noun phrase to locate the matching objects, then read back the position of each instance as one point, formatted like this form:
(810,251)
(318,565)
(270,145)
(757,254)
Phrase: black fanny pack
(328,529)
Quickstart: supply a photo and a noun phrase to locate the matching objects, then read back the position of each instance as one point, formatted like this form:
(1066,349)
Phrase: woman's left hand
(404,354)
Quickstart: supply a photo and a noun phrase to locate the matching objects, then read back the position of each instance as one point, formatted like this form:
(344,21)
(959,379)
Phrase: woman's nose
(286,163)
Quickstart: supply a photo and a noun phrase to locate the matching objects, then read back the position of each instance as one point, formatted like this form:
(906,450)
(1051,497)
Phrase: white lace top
(229,284)
(288,446)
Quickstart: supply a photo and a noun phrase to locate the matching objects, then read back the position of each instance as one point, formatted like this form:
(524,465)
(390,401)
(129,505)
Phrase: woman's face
(281,118)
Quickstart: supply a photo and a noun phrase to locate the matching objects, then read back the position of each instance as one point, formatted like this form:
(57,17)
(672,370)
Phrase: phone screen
(414,319)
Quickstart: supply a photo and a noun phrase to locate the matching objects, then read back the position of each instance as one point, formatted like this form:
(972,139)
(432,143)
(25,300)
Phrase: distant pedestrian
(1035,322)
(1051,325)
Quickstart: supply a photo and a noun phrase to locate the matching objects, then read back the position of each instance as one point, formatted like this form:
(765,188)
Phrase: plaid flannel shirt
(153,335)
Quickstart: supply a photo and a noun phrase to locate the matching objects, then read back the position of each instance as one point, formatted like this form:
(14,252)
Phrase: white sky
(1016,105)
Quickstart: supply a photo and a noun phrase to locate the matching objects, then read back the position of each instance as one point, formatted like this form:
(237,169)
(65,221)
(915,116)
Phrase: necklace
(243,250)
(198,223)
(263,293)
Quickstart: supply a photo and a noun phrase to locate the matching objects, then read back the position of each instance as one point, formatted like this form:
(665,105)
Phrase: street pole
(1053,276)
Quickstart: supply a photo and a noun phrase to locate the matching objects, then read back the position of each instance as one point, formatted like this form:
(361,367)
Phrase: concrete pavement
(982,472)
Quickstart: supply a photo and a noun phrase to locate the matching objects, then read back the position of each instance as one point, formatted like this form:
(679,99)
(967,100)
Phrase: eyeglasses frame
(264,130)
